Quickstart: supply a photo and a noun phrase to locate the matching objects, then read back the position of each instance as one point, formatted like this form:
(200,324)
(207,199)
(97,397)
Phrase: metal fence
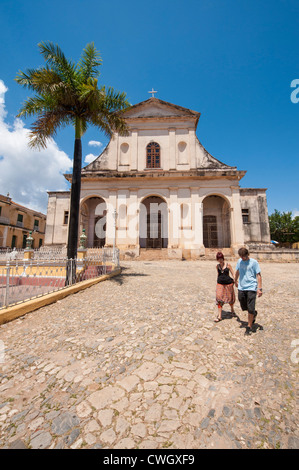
(7,254)
(22,279)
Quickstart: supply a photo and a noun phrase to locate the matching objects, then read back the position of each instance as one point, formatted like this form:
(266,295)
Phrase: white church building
(159,189)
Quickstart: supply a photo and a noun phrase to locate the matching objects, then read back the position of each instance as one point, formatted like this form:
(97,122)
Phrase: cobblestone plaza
(138,362)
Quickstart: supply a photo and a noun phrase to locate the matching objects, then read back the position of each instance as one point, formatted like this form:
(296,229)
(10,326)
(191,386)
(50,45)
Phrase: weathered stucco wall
(257,228)
(56,229)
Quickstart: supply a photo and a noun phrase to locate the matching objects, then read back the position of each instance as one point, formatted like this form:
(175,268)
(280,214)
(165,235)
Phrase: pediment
(155,108)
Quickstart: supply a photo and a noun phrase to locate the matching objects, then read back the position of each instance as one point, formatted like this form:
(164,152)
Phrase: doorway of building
(216,222)
(93,220)
(153,226)
(210,234)
(153,230)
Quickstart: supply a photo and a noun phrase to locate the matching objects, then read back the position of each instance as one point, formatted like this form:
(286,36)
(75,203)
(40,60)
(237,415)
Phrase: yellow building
(17,221)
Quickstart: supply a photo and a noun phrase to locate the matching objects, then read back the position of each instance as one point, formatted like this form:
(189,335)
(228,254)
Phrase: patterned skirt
(225,294)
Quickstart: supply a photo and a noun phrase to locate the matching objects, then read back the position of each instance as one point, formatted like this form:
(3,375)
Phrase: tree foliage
(67,93)
(284,228)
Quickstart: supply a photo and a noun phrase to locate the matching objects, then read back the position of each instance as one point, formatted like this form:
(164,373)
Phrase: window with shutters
(245,216)
(153,155)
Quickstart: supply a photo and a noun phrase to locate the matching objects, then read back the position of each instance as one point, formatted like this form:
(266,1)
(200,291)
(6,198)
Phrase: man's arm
(236,278)
(259,285)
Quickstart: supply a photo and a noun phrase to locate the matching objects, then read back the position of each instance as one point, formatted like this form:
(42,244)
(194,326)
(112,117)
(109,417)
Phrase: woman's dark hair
(219,255)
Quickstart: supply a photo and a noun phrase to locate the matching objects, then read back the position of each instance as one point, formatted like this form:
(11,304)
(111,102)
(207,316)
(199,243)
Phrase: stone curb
(11,313)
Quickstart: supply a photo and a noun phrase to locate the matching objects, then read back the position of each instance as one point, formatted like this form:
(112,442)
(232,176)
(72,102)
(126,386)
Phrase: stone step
(153,254)
(210,253)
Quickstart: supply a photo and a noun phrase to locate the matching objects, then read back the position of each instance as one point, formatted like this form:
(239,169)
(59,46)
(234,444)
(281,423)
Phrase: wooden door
(210,232)
(154,232)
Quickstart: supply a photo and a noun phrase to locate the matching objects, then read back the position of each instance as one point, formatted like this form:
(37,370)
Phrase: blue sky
(231,60)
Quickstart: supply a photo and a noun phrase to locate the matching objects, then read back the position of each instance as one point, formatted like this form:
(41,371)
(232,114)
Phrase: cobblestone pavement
(138,362)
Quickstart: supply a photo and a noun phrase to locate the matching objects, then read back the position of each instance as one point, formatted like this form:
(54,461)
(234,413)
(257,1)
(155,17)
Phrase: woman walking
(225,293)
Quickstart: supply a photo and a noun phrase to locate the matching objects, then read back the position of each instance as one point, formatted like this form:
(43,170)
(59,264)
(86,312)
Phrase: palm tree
(68,93)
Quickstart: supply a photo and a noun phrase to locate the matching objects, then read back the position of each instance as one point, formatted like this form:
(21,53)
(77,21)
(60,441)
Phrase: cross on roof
(152,92)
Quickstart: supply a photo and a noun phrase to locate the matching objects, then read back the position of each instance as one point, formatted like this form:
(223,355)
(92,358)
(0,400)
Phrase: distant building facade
(159,188)
(17,221)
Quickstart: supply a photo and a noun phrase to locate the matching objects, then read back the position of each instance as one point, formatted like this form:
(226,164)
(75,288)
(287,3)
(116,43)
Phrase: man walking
(249,286)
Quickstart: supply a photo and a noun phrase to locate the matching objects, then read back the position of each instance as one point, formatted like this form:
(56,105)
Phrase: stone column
(110,227)
(174,218)
(192,138)
(237,233)
(122,218)
(174,249)
(133,218)
(172,149)
(50,222)
(197,246)
(134,150)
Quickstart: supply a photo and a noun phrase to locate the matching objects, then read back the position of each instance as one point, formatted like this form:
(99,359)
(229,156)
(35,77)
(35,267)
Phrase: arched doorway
(93,220)
(153,223)
(216,222)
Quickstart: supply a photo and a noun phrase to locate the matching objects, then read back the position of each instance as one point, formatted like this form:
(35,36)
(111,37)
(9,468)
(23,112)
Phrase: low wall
(33,281)
(18,310)
(277,255)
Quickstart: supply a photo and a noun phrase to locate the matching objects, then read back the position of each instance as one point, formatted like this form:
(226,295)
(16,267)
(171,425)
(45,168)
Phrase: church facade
(159,188)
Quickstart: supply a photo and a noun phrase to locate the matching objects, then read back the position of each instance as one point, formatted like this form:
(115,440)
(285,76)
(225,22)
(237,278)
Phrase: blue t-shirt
(247,274)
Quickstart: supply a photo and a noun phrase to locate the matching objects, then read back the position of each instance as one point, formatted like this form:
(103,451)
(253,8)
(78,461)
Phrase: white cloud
(295,213)
(95,143)
(3,90)
(90,158)
(25,173)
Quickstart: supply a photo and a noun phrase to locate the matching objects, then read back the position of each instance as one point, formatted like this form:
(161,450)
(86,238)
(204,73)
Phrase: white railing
(50,253)
(11,254)
(39,254)
(22,280)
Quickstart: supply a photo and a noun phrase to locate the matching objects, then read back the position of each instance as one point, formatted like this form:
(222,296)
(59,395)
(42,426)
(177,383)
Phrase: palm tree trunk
(74,212)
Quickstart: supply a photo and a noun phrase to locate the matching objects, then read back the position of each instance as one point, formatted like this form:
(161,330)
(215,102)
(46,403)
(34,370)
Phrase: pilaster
(174,218)
(192,149)
(237,233)
(133,217)
(172,149)
(134,151)
(110,224)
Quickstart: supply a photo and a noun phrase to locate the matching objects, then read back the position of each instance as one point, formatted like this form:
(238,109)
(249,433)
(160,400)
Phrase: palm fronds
(89,63)
(69,92)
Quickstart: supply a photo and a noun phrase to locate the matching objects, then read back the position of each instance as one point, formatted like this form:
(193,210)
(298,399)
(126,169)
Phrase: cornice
(198,174)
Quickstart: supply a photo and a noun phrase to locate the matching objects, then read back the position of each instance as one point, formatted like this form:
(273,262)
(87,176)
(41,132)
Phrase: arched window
(153,155)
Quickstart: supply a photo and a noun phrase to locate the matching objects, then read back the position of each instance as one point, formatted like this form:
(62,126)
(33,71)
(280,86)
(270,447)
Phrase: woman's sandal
(217,320)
